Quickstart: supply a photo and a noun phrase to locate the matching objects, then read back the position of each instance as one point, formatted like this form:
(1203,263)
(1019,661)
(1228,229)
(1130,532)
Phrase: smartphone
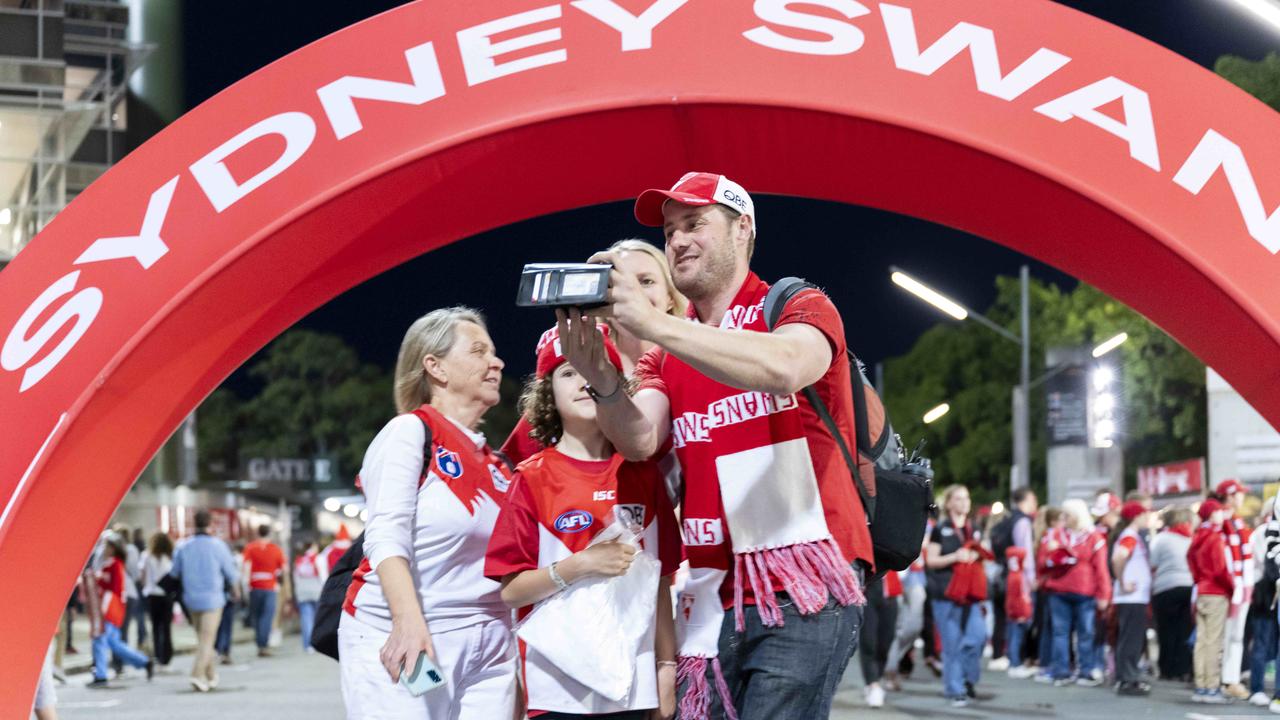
(424,676)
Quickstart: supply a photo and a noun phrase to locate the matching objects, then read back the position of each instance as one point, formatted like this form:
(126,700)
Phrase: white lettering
(1138,129)
(703,531)
(478,53)
(298,131)
(1216,151)
(18,350)
(337,96)
(146,247)
(696,427)
(844,38)
(981,43)
(637,31)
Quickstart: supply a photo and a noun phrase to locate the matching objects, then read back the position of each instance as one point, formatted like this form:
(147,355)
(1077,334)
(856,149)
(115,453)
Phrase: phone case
(424,676)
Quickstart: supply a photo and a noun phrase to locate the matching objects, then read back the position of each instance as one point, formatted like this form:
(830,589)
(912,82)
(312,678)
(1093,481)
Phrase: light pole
(1021,473)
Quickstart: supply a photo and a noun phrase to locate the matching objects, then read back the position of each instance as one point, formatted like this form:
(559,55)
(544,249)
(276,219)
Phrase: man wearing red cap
(1207,559)
(1131,566)
(772,522)
(1231,493)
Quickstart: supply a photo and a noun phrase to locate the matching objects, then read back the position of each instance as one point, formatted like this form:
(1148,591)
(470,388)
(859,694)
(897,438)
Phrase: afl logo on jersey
(449,463)
(574,521)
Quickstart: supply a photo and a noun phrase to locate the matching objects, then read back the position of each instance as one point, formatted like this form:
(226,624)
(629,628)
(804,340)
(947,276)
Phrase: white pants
(1233,646)
(478,661)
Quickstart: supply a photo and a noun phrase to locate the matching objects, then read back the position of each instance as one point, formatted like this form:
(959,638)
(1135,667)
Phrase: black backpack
(324,634)
(1002,534)
(900,500)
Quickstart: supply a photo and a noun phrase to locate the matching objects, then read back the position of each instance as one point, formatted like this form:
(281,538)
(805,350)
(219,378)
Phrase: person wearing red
(1079,588)
(433,488)
(1209,560)
(957,587)
(308,580)
(1131,565)
(647,266)
(334,551)
(548,540)
(111,593)
(1018,606)
(1232,493)
(264,561)
(775,533)
(879,624)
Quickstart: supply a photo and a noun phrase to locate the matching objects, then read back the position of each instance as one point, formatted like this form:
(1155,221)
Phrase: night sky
(228,40)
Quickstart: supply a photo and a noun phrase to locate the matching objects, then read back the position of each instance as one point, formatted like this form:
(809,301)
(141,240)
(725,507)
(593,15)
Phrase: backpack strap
(779,295)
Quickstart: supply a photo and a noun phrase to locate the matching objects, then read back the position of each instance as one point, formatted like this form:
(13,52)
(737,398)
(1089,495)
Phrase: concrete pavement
(295,685)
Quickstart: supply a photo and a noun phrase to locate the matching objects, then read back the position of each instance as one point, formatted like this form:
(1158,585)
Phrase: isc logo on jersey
(449,463)
(574,521)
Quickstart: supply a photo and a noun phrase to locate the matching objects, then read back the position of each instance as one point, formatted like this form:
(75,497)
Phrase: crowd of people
(1066,596)
(143,584)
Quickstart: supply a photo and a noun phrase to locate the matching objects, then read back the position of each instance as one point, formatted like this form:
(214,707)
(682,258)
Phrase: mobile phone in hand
(424,676)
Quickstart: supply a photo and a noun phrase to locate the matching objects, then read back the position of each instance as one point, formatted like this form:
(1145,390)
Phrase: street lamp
(936,413)
(1021,476)
(1263,9)
(1110,344)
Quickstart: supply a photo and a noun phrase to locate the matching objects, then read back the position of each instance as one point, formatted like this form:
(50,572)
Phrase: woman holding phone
(433,490)
(561,500)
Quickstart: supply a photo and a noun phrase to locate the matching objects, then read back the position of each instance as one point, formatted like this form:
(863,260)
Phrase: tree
(316,399)
(1260,79)
(975,371)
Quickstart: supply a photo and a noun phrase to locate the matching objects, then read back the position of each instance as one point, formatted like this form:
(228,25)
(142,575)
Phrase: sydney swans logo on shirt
(574,521)
(449,463)
(697,427)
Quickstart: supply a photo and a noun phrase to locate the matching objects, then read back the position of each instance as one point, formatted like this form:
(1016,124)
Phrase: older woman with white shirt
(432,501)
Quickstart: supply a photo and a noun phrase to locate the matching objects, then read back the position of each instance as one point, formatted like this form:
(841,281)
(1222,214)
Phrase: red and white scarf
(751,498)
(1239,558)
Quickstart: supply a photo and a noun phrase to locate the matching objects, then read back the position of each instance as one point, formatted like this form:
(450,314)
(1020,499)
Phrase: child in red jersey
(111,579)
(560,499)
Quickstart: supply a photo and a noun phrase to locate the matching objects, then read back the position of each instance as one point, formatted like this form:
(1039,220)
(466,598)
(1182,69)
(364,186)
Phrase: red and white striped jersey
(437,514)
(557,505)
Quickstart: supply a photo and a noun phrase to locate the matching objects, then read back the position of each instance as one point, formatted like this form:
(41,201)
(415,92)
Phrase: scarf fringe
(696,702)
(809,573)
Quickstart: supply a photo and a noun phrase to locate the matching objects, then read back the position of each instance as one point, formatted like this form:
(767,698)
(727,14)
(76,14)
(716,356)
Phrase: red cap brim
(649,204)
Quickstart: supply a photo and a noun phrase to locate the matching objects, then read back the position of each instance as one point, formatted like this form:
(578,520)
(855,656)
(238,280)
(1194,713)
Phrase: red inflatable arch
(1021,121)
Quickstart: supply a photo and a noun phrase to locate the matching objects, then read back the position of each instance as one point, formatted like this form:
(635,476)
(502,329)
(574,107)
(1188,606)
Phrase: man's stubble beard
(716,273)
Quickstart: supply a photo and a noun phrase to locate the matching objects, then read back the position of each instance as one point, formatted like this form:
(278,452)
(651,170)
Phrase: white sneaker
(998,665)
(1021,672)
(1260,699)
(200,684)
(875,695)
(1275,707)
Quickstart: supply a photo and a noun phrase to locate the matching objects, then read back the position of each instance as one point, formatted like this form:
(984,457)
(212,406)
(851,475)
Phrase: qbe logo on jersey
(574,521)
(449,463)
(500,483)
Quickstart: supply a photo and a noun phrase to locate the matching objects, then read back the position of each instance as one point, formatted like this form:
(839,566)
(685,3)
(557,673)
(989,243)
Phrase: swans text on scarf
(697,427)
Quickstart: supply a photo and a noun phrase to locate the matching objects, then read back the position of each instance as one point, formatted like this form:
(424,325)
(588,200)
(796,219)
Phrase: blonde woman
(432,507)
(647,264)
